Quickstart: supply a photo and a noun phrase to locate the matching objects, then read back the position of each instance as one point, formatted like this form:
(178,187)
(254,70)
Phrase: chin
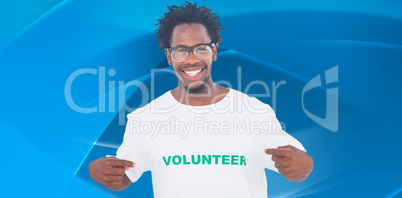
(196,87)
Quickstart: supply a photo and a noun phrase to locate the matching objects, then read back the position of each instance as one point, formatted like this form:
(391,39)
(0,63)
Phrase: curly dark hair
(187,13)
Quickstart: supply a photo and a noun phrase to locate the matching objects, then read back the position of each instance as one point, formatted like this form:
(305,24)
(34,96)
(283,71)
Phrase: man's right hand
(110,172)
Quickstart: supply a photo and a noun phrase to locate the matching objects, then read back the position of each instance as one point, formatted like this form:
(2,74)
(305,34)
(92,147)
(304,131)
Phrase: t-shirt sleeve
(130,150)
(278,137)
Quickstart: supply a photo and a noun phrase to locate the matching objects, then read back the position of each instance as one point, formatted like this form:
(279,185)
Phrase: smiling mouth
(192,73)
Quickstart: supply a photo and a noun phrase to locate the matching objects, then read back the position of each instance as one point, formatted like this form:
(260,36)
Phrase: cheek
(176,69)
(210,64)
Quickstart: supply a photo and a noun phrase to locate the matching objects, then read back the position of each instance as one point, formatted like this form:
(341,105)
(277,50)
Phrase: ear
(168,57)
(215,52)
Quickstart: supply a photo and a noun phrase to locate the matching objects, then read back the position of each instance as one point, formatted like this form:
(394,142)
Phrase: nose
(192,59)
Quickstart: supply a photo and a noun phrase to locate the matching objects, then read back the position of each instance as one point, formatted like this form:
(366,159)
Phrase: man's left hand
(291,162)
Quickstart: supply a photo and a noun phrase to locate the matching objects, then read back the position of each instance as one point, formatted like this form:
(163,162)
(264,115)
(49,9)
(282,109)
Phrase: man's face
(190,35)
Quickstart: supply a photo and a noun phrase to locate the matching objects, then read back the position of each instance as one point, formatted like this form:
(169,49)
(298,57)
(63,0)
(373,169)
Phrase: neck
(209,94)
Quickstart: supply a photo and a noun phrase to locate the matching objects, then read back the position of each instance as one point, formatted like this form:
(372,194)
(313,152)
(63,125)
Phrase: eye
(201,49)
(179,50)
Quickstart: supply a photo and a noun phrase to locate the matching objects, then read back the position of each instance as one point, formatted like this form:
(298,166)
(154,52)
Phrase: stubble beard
(196,90)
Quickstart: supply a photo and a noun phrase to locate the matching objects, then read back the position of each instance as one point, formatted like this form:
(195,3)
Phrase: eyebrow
(181,45)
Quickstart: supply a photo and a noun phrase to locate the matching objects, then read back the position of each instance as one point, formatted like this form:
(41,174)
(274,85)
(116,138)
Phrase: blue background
(47,146)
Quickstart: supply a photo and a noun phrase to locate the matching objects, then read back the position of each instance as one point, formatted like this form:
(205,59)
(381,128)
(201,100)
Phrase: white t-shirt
(214,150)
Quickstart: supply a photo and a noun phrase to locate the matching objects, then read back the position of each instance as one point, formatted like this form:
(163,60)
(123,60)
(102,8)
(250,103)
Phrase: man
(219,155)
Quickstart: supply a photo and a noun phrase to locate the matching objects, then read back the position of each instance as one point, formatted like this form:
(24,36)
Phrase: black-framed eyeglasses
(201,51)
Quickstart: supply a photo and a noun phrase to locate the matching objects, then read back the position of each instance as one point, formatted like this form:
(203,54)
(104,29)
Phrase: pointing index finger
(277,152)
(122,163)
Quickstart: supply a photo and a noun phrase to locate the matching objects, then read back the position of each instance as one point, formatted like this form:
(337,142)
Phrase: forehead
(189,35)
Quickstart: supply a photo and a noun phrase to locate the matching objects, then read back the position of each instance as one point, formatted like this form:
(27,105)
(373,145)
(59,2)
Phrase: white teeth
(192,73)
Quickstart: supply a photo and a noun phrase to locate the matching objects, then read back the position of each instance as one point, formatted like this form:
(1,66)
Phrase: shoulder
(252,103)
(152,107)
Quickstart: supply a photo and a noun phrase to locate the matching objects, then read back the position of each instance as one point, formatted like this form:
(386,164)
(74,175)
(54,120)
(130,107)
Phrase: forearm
(123,184)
